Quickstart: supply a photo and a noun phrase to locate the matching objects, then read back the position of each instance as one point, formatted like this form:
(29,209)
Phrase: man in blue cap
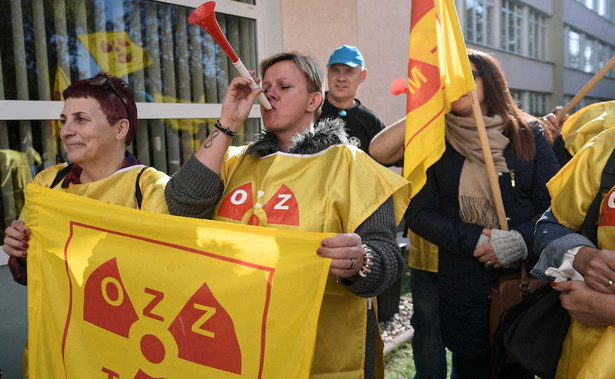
(345,72)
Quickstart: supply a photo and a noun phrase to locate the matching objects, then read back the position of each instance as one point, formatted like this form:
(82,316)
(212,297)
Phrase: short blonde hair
(309,66)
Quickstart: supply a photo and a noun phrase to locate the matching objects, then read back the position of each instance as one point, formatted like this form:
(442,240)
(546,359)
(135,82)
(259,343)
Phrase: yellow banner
(438,74)
(115,52)
(115,292)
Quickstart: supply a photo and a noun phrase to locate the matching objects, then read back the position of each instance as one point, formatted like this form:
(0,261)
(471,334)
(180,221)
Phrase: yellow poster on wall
(121,293)
(115,52)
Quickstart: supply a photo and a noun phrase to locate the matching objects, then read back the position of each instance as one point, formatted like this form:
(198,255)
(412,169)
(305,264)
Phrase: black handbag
(510,290)
(531,333)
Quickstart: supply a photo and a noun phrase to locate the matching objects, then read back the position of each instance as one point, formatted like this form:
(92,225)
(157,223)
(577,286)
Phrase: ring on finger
(609,284)
(488,264)
(351,264)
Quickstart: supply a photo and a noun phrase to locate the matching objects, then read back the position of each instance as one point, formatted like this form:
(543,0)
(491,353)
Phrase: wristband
(225,130)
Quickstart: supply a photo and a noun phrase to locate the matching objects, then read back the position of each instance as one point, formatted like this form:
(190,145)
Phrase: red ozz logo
(203,330)
(281,209)
(607,213)
(120,46)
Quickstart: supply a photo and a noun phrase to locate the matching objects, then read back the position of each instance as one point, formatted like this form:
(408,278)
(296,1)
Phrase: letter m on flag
(438,74)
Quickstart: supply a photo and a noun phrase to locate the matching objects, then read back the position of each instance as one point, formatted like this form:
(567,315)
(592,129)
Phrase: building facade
(548,49)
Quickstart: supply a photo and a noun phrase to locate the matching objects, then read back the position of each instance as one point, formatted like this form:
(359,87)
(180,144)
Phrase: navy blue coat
(464,282)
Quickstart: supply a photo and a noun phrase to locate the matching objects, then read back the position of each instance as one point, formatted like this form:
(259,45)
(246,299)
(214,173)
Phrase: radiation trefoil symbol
(202,330)
(280,209)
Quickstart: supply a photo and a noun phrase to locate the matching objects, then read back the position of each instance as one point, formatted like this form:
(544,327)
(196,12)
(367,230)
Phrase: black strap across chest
(607,181)
(62,174)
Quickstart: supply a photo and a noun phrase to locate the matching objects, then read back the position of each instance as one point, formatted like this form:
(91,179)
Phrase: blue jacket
(464,282)
(552,241)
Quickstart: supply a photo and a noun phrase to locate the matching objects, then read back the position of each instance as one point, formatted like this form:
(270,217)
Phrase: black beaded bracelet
(225,130)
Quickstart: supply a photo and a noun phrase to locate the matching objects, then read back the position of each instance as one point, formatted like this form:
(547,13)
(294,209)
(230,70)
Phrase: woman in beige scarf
(455,210)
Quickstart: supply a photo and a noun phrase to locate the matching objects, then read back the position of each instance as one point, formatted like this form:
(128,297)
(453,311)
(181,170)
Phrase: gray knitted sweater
(195,190)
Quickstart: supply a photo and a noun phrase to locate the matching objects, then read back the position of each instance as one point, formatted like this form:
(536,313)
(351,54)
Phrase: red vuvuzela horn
(205,17)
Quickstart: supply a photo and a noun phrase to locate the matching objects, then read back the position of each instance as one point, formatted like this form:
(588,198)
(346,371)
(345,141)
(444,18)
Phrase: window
(479,20)
(583,103)
(604,8)
(517,96)
(534,103)
(601,7)
(536,35)
(588,55)
(537,104)
(510,26)
(574,49)
(45,44)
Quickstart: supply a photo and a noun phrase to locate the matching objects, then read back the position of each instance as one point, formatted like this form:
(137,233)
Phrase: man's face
(344,80)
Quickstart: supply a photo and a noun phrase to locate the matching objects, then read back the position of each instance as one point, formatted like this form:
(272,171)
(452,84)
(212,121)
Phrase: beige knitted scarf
(476,205)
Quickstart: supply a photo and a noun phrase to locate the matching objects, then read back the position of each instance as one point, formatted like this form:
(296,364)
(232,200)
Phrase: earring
(309,110)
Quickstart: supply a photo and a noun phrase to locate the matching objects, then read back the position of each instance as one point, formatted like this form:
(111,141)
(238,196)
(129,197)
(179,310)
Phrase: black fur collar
(326,133)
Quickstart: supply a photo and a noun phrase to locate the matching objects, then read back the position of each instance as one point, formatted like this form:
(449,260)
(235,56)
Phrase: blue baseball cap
(348,55)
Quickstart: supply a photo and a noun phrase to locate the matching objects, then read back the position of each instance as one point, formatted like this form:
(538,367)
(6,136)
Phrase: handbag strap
(524,281)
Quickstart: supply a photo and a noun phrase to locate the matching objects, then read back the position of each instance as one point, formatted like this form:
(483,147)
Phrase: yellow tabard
(587,351)
(118,189)
(423,255)
(586,123)
(331,191)
(574,187)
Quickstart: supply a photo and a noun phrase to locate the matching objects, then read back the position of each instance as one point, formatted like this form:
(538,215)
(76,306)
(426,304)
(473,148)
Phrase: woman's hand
(551,123)
(590,307)
(16,239)
(503,249)
(597,267)
(346,251)
(486,255)
(238,102)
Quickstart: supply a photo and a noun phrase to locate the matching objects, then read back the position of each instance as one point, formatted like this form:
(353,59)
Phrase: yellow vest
(422,255)
(331,191)
(118,189)
(586,123)
(587,351)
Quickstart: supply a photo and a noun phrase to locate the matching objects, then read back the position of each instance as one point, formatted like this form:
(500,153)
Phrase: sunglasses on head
(101,81)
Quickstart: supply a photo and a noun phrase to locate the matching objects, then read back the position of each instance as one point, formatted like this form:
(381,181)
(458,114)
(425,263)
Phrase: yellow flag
(115,52)
(438,74)
(60,83)
(115,292)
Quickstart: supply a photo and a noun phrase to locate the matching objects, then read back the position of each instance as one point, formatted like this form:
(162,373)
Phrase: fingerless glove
(508,246)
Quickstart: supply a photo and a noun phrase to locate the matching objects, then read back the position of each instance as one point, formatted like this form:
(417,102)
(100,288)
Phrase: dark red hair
(108,100)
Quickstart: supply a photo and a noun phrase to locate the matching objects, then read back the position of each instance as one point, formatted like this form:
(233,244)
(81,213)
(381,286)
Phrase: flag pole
(588,87)
(493,178)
